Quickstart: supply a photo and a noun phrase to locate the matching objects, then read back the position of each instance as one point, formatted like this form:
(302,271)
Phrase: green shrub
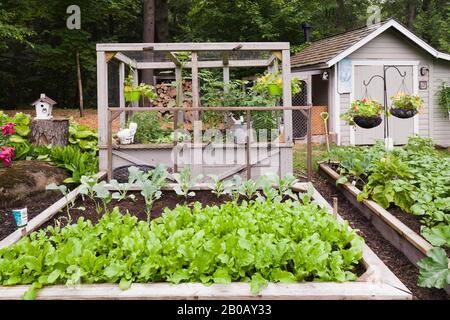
(149,128)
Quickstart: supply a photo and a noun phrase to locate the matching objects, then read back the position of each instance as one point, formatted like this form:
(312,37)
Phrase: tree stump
(53,131)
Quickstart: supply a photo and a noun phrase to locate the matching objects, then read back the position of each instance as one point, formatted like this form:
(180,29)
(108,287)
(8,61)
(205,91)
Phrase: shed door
(400,129)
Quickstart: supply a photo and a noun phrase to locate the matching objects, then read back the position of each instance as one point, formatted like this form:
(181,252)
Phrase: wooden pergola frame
(106,52)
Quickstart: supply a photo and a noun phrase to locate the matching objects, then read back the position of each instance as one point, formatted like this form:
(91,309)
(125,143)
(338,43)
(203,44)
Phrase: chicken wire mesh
(299,120)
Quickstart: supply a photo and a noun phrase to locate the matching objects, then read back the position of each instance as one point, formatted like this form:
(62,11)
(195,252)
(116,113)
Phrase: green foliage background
(37,51)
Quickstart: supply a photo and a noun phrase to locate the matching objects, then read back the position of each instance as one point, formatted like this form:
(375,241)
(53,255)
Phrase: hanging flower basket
(405,106)
(403,113)
(365,113)
(367,122)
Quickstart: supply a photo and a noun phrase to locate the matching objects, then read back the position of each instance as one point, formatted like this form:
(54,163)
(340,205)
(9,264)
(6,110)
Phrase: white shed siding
(393,46)
(345,128)
(441,123)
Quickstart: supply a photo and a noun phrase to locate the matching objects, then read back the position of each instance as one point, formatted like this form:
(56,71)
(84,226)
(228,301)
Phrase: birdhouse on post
(44,106)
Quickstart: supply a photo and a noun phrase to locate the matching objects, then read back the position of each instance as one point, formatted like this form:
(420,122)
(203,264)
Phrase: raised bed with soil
(375,280)
(401,229)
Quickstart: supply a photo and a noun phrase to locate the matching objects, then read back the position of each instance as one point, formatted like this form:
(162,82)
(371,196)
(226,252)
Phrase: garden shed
(335,69)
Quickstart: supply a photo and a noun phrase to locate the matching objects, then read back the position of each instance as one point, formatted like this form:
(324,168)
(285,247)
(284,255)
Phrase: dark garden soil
(394,259)
(169,199)
(35,203)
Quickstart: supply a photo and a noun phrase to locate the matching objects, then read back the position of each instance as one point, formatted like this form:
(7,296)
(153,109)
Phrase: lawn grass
(319,152)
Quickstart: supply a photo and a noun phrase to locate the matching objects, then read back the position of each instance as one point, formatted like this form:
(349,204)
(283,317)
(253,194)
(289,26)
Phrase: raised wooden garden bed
(376,281)
(410,243)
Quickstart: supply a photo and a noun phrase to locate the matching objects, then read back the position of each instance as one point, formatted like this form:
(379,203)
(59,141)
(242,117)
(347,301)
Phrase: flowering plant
(403,100)
(366,108)
(6,153)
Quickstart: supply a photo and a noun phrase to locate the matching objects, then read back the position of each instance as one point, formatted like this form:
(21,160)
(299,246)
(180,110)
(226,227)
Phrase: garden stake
(335,206)
(325,116)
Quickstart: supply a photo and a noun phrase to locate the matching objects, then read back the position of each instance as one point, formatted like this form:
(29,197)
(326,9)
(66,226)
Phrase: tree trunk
(80,85)
(148,36)
(53,131)
(340,14)
(162,21)
(411,10)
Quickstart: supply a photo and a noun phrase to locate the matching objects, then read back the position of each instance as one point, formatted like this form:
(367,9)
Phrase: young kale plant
(150,183)
(122,191)
(101,192)
(269,192)
(65,192)
(236,183)
(220,187)
(248,189)
(185,182)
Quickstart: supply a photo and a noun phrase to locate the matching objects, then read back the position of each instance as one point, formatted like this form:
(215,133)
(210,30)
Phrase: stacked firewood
(167,93)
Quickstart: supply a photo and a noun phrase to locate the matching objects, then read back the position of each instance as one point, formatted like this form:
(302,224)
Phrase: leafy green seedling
(151,192)
(63,189)
(248,189)
(185,182)
(220,187)
(122,191)
(102,193)
(236,183)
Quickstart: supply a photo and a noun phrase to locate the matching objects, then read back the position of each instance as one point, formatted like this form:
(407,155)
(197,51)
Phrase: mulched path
(35,204)
(394,259)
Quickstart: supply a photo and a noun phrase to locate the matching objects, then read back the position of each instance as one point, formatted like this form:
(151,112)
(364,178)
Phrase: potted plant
(272,83)
(134,93)
(131,92)
(444,98)
(405,106)
(365,113)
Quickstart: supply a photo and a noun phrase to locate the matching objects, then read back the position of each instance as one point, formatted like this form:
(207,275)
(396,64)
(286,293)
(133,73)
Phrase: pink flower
(8,129)
(364,100)
(6,155)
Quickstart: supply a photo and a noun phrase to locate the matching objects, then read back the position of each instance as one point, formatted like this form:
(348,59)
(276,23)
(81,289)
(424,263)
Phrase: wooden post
(123,115)
(309,145)
(80,84)
(335,206)
(175,141)
(287,98)
(247,146)
(195,85)
(53,131)
(136,83)
(180,97)
(109,145)
(102,106)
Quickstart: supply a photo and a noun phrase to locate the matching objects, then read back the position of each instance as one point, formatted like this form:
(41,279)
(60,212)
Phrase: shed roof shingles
(324,50)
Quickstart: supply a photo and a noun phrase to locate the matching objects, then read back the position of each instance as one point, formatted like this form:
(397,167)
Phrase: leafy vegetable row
(256,241)
(414,178)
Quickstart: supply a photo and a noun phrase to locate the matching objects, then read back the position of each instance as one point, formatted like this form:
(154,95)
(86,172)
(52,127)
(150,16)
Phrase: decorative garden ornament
(44,106)
(126,136)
